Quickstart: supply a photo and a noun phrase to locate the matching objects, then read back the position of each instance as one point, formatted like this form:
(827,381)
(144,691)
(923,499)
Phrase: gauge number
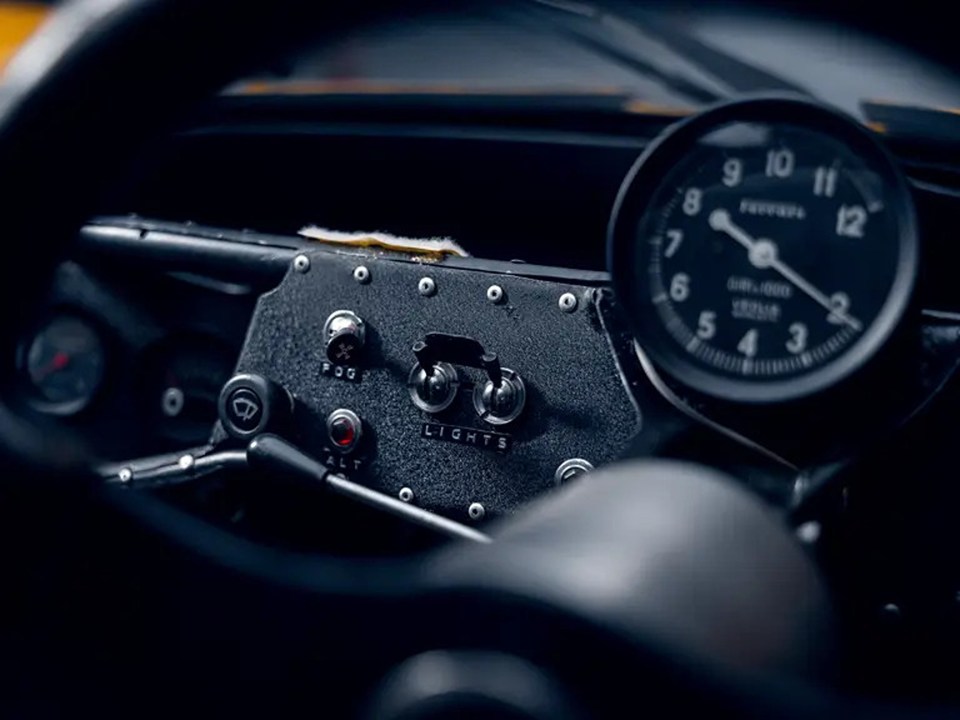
(760,250)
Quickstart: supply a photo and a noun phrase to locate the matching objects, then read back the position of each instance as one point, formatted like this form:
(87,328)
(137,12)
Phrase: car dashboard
(200,310)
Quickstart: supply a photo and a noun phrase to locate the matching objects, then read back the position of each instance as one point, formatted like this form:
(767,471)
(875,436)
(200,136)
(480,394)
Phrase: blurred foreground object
(18,20)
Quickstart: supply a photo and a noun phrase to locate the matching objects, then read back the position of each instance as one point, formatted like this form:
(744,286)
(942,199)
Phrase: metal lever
(172,468)
(280,460)
(276,455)
(457,350)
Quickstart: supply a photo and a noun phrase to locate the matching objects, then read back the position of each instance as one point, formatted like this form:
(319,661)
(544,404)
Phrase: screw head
(495,294)
(571,470)
(172,401)
(301,263)
(890,611)
(185,462)
(406,494)
(362,274)
(476,511)
(125,475)
(427,287)
(809,532)
(568,302)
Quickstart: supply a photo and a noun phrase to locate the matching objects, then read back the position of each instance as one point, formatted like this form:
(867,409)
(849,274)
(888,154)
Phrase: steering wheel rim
(181,50)
(107,62)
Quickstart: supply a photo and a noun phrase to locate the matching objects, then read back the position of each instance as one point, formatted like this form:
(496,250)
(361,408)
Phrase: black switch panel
(576,404)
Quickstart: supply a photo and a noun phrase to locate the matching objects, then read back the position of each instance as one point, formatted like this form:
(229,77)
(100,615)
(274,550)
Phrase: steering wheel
(654,585)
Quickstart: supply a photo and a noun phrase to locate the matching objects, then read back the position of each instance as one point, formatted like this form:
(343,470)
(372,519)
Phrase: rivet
(495,294)
(568,302)
(809,532)
(890,611)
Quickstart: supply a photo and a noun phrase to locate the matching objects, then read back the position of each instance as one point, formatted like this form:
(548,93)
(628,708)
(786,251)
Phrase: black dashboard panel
(450,459)
(526,178)
(504,189)
(497,199)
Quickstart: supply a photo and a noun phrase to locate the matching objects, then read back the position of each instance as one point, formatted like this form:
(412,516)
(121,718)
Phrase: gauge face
(765,249)
(64,362)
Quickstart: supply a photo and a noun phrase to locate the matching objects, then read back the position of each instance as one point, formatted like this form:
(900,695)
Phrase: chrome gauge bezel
(66,408)
(644,181)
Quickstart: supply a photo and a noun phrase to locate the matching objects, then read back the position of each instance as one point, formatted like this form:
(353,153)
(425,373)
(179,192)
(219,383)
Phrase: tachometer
(764,249)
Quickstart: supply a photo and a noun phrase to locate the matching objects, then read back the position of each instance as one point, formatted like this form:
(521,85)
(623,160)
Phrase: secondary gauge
(764,249)
(64,363)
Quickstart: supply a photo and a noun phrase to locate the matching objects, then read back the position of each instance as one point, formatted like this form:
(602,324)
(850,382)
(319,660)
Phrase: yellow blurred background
(18,20)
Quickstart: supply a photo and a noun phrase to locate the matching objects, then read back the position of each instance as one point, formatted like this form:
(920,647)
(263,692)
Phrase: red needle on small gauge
(58,362)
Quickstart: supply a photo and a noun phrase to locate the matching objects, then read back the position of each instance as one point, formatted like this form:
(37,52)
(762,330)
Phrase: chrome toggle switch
(433,391)
(500,405)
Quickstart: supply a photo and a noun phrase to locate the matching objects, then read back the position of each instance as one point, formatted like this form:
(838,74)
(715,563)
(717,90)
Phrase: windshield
(677,57)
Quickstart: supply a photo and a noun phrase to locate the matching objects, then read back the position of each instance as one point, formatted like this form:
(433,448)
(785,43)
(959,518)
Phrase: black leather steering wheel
(655,583)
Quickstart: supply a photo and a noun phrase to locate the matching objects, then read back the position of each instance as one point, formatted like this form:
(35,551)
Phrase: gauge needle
(764,253)
(58,362)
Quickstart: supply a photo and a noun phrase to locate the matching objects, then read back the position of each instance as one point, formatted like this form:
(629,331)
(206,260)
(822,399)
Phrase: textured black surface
(577,405)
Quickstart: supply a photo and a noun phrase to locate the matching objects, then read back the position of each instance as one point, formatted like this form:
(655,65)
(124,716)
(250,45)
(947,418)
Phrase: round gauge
(64,363)
(764,249)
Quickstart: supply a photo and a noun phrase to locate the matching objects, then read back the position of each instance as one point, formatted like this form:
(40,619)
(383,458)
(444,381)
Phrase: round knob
(503,404)
(435,391)
(252,404)
(345,334)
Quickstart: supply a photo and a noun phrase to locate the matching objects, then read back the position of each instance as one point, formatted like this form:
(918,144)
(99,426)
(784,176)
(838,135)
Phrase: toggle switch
(433,391)
(500,405)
